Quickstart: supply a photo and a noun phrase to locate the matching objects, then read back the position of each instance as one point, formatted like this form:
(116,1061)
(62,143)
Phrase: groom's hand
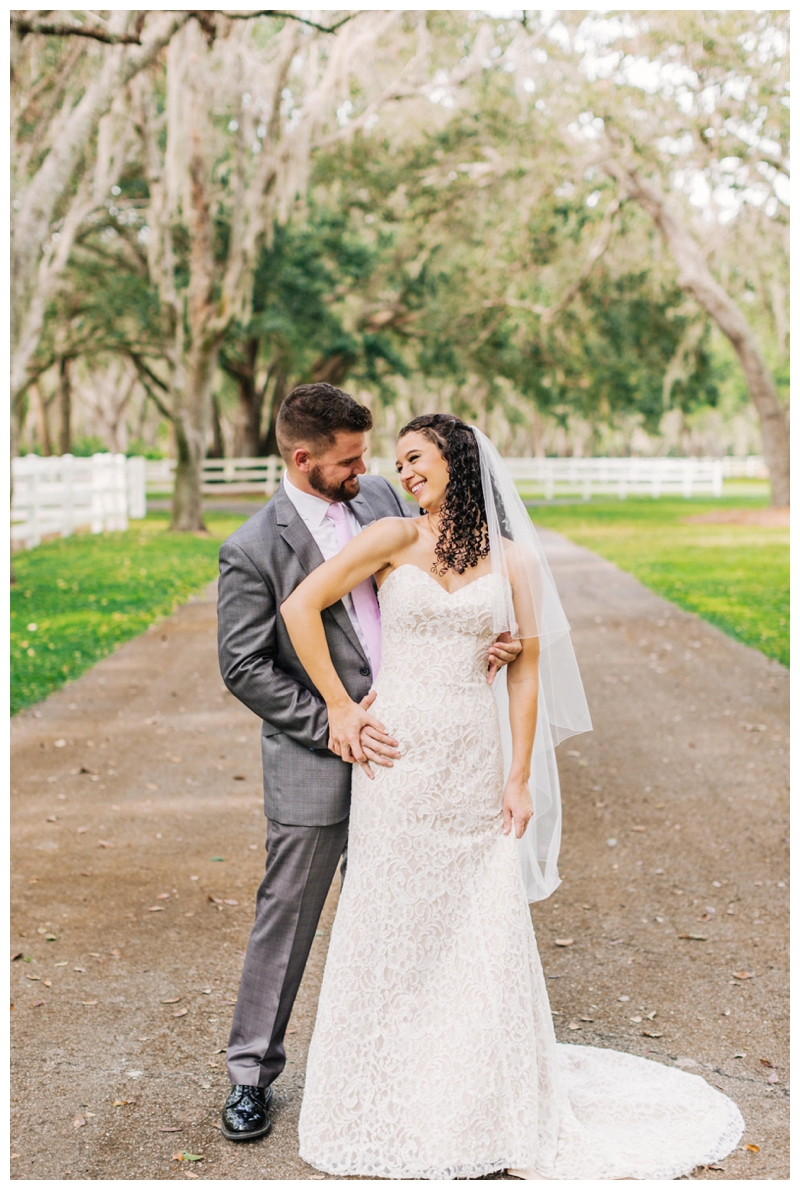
(502,652)
(378,746)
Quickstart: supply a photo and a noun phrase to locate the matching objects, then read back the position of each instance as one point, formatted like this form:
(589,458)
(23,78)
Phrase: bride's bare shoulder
(396,531)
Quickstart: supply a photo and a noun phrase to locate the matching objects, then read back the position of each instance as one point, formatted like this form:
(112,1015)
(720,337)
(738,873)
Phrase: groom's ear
(301,457)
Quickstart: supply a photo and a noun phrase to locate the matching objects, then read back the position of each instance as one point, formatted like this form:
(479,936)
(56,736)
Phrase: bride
(433,1054)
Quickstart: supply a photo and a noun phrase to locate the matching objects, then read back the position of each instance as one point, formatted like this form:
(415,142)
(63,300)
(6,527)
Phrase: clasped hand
(359,737)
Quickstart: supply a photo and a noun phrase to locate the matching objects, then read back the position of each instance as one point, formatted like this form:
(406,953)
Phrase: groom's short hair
(312,414)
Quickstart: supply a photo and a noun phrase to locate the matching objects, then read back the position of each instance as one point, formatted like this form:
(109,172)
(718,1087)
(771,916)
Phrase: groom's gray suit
(306,787)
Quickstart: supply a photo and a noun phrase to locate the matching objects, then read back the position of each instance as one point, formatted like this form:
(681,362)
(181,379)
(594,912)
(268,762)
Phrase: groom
(320,505)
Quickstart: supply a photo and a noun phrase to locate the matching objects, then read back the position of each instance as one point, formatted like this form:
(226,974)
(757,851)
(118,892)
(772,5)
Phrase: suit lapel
(362,511)
(295,533)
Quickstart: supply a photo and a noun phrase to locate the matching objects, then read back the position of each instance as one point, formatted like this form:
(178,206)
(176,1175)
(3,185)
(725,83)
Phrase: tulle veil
(534,610)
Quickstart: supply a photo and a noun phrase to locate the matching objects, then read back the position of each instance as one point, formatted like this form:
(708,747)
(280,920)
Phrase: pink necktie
(365,602)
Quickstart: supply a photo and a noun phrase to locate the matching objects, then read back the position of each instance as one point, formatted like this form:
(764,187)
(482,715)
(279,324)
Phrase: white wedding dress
(434,1054)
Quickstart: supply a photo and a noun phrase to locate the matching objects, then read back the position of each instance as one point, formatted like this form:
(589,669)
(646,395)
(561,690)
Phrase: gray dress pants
(301,862)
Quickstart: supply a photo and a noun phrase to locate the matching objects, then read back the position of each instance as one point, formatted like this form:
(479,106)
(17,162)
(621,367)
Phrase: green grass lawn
(734,576)
(77,598)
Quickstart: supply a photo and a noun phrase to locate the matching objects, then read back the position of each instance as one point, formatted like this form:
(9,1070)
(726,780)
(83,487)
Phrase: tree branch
(48,29)
(148,378)
(289,16)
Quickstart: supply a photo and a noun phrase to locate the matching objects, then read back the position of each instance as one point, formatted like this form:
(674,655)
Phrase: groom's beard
(341,493)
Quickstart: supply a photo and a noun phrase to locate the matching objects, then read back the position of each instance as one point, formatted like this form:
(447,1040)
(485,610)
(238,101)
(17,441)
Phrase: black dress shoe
(245,1114)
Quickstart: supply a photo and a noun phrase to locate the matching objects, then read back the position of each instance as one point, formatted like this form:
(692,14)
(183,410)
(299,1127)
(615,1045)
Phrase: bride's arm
(523,706)
(368,553)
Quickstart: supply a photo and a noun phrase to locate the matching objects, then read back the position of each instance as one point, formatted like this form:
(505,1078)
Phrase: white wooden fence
(744,467)
(60,494)
(602,476)
(547,477)
(228,477)
(55,496)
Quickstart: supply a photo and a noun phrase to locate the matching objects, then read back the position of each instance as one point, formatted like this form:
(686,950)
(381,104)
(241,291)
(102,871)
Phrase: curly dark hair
(464,536)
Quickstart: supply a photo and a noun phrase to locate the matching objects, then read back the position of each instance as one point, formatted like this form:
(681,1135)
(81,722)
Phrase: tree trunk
(695,276)
(65,405)
(251,400)
(42,421)
(269,444)
(191,404)
(218,439)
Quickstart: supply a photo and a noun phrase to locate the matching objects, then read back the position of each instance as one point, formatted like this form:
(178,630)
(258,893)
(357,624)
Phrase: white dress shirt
(313,510)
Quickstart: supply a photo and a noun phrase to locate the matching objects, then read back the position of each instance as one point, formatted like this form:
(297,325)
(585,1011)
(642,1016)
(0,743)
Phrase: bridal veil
(534,611)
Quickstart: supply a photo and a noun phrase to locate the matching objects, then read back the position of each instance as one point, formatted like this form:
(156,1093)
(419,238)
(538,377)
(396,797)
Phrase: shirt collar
(312,509)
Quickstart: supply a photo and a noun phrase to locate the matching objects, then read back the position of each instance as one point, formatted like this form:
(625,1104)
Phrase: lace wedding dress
(434,1054)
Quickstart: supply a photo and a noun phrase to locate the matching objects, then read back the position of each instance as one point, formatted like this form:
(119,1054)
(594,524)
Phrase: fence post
(687,478)
(137,489)
(67,470)
(549,481)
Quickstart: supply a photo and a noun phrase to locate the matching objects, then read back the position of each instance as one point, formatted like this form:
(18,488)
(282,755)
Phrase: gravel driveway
(137,846)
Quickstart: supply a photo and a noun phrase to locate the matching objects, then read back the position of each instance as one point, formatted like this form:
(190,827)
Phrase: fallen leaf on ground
(292,1029)
(16,956)
(33,977)
(104,843)
(216,900)
(638,828)
(239,777)
(763,1061)
(753,1148)
(163,896)
(227,1002)
(181,1012)
(169,1130)
(63,963)
(573,1025)
(717,1168)
(81,969)
(694,937)
(588,1019)
(78,1122)
(122,1102)
(231,902)
(648,1033)
(564,941)
(156,909)
(51,937)
(39,1003)
(88,1003)
(47,983)
(187,1156)
(172,1000)
(743,974)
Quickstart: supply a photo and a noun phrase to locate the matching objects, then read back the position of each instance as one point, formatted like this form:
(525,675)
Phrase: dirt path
(137,844)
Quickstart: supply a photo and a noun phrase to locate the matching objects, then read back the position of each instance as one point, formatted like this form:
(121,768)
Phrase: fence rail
(55,496)
(229,476)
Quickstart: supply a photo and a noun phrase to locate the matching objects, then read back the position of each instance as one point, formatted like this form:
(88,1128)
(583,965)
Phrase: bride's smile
(423,471)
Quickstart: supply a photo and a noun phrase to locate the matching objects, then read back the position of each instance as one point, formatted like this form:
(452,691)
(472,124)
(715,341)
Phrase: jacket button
(364,671)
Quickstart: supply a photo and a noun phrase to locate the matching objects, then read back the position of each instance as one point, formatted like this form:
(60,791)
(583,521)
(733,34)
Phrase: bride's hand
(346,721)
(517,807)
(502,652)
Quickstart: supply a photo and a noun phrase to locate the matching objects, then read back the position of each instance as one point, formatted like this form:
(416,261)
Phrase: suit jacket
(259,567)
